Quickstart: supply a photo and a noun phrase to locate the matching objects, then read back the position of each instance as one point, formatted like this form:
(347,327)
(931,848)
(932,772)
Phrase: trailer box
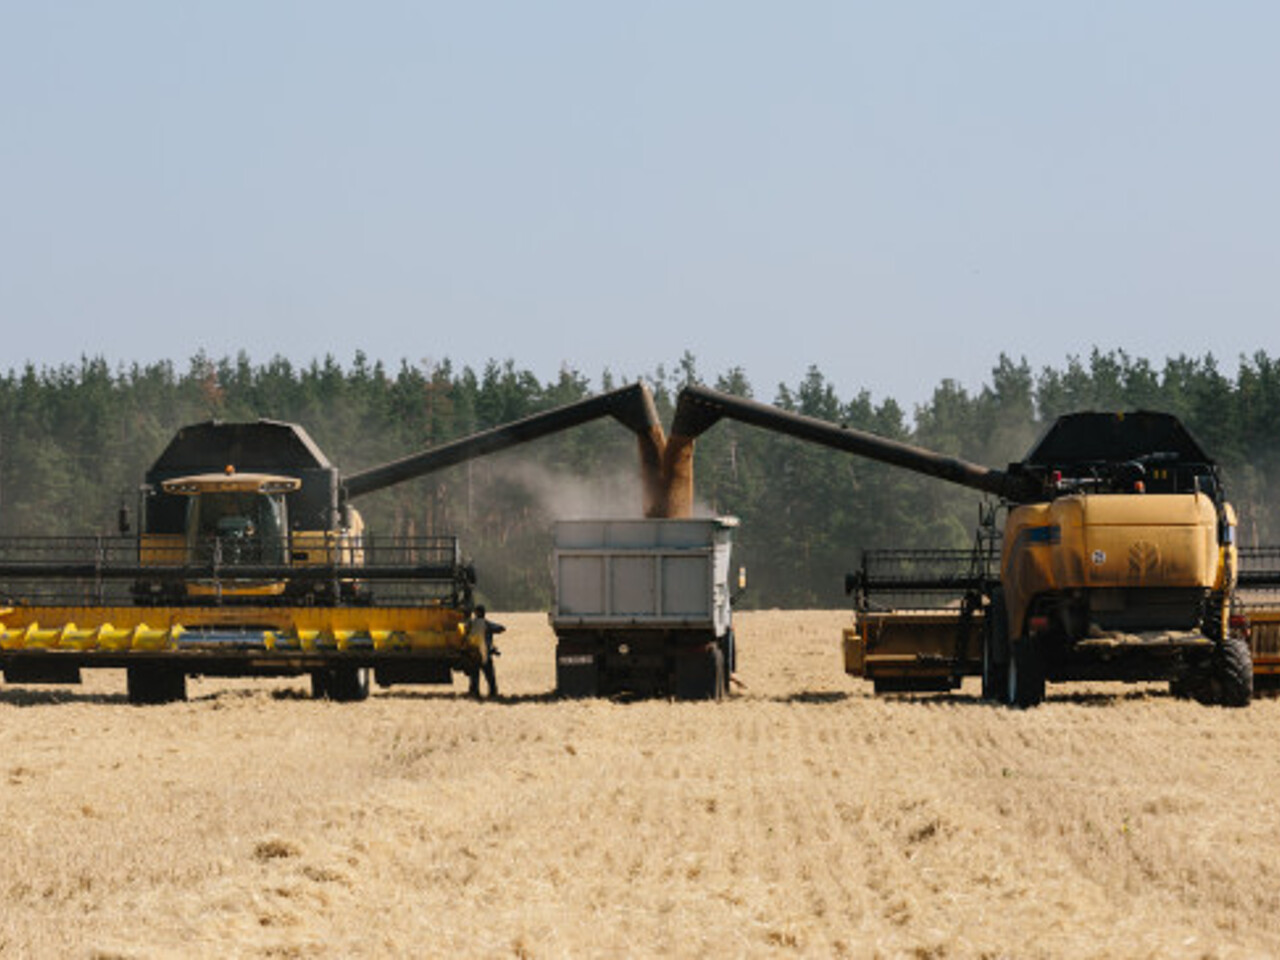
(643,606)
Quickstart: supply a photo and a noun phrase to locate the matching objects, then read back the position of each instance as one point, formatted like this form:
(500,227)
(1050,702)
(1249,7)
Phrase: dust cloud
(606,495)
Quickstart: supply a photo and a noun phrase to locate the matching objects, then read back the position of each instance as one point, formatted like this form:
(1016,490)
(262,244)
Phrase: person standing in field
(480,634)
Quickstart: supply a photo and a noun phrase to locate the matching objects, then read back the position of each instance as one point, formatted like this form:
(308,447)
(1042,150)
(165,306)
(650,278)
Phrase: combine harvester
(1116,561)
(1255,612)
(251,560)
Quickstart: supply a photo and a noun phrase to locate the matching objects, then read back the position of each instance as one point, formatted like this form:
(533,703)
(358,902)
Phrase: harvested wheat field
(802,817)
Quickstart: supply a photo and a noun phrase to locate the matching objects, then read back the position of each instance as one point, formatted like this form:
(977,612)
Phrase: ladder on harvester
(983,572)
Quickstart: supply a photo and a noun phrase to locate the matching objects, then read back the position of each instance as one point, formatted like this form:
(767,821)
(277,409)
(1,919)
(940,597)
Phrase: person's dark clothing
(482,631)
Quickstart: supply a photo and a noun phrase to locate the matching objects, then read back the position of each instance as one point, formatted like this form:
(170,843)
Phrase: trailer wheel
(1026,674)
(730,655)
(154,683)
(347,684)
(722,674)
(1230,683)
(699,673)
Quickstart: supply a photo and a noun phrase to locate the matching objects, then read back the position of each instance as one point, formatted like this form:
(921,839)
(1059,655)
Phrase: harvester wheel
(1230,683)
(1235,671)
(995,676)
(156,684)
(730,646)
(320,684)
(347,684)
(995,673)
(1025,674)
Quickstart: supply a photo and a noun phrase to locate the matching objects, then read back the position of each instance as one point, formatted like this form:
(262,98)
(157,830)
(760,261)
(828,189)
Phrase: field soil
(802,817)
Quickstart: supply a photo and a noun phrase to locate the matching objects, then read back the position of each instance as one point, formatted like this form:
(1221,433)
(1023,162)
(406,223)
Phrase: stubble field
(803,817)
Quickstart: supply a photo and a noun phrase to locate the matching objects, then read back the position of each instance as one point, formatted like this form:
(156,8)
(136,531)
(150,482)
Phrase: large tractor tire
(1026,680)
(1230,682)
(156,683)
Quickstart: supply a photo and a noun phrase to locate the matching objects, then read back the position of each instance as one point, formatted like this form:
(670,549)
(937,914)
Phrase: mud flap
(577,674)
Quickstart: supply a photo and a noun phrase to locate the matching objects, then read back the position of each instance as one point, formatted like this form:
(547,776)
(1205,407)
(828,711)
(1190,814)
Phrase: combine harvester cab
(229,495)
(232,520)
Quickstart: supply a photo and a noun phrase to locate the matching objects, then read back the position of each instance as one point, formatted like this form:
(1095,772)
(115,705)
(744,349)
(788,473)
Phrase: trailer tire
(1026,680)
(155,683)
(699,673)
(730,655)
(347,684)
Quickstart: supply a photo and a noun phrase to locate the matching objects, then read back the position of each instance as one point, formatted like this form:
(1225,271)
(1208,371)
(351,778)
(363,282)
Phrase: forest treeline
(75,441)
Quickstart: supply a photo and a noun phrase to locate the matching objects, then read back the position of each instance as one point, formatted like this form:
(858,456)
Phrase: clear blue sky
(894,192)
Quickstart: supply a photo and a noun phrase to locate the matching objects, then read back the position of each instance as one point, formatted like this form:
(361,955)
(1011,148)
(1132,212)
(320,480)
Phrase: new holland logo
(1144,560)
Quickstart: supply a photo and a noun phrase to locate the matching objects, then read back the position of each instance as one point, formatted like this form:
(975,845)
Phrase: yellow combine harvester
(250,559)
(1116,560)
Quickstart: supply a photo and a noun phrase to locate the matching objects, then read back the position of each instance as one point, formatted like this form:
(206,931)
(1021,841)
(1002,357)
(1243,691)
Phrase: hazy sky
(894,192)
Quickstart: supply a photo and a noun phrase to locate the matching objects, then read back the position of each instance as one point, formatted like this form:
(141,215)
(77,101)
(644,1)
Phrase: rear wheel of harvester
(154,683)
(1230,682)
(1026,679)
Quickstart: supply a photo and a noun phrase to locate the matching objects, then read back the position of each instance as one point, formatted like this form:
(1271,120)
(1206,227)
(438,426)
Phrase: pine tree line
(76,439)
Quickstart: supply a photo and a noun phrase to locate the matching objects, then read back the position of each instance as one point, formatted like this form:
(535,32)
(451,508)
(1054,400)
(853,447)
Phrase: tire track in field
(801,817)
